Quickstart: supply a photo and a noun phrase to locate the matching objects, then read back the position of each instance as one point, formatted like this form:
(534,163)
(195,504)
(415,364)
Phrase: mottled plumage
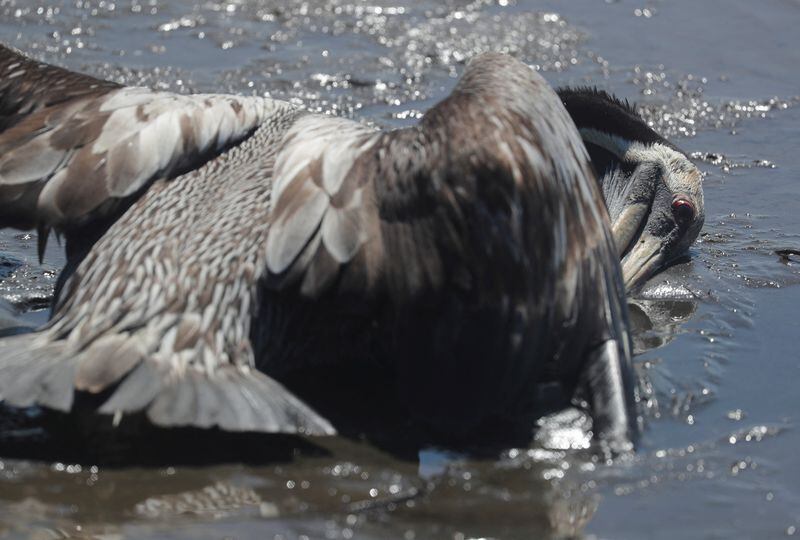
(247,239)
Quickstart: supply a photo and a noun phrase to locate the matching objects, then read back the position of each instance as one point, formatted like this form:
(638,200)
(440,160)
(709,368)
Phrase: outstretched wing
(485,182)
(360,210)
(404,211)
(65,161)
(486,212)
(27,86)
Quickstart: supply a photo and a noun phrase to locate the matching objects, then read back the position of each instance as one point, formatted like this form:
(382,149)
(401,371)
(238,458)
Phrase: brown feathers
(405,207)
(470,255)
(65,157)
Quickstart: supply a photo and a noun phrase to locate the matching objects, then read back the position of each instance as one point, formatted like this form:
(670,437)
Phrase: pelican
(220,248)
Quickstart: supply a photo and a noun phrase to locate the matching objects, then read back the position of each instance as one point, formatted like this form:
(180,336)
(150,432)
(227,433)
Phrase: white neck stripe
(682,173)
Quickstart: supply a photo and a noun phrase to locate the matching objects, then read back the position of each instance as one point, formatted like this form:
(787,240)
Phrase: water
(717,354)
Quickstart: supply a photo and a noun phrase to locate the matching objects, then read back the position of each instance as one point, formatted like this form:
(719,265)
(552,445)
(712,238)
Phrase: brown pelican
(653,192)
(219,244)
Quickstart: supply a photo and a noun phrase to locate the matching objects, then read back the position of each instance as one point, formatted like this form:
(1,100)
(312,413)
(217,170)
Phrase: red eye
(683,210)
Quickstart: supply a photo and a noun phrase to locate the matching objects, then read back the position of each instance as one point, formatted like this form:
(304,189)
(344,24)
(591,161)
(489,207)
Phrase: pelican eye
(683,210)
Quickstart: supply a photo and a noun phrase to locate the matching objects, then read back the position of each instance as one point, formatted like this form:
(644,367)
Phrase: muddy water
(716,337)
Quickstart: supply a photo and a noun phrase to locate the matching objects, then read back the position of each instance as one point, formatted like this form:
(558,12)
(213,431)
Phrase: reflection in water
(525,493)
(291,485)
(26,287)
(654,323)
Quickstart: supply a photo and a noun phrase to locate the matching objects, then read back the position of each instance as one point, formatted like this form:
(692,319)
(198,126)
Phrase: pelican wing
(67,161)
(27,86)
(485,212)
(363,211)
(485,181)
(324,210)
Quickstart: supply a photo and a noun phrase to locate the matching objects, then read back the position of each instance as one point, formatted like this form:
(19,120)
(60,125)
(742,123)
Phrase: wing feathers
(33,161)
(34,370)
(300,220)
(321,217)
(108,147)
(343,229)
(328,222)
(436,200)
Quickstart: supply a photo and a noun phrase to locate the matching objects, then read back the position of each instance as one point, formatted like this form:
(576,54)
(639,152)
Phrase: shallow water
(715,337)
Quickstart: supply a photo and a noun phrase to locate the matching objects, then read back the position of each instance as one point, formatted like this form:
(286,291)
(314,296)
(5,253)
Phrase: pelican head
(654,193)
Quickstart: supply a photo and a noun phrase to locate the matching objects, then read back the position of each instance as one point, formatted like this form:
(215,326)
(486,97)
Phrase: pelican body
(224,251)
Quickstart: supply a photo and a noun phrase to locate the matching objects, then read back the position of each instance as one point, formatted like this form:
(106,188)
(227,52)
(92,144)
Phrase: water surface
(716,337)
